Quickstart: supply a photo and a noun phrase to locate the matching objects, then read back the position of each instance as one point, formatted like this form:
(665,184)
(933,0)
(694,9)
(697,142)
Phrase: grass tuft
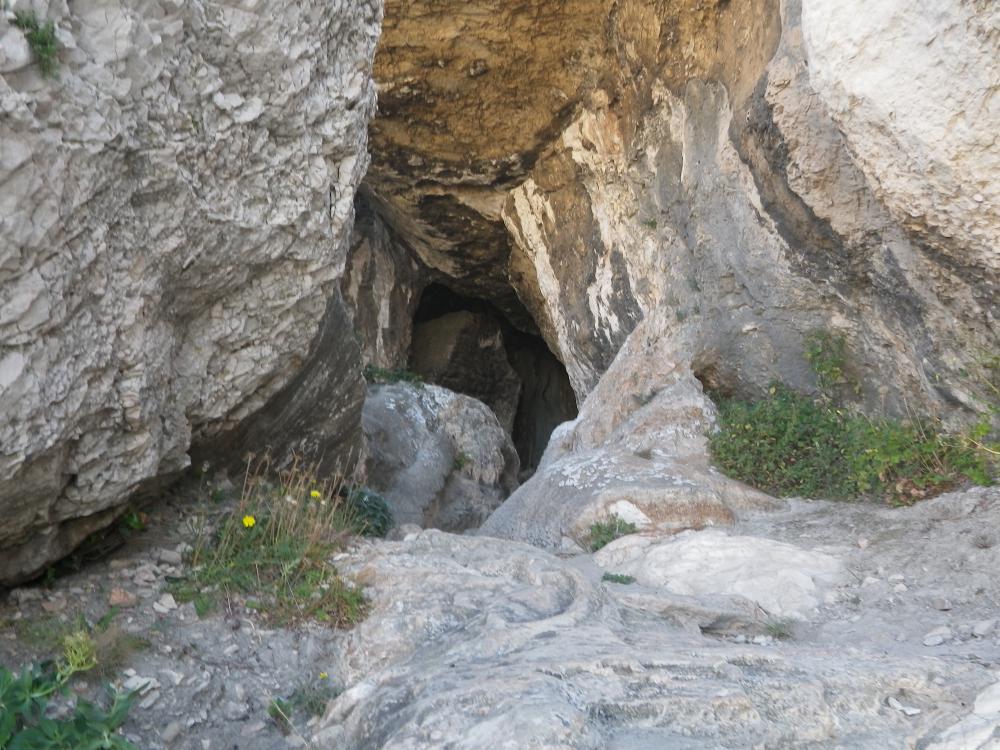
(382,376)
(42,40)
(602,533)
(272,550)
(618,578)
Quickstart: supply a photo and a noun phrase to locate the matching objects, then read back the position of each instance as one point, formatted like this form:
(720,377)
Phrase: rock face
(700,188)
(737,165)
(440,459)
(638,450)
(477,642)
(174,216)
(783,579)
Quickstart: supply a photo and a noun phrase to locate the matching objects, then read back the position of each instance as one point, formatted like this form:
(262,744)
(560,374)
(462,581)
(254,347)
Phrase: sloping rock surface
(476,642)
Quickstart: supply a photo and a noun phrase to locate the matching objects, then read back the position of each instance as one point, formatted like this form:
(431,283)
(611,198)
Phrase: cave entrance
(469,346)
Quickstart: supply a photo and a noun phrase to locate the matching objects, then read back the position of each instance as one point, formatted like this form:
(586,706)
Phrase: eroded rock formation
(728,173)
(175,208)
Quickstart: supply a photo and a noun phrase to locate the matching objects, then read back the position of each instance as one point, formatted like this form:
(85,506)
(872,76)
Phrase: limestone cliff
(175,207)
(736,175)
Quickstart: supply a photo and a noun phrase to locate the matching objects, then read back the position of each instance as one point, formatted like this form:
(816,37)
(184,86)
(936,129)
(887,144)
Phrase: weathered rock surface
(477,642)
(174,215)
(440,459)
(757,170)
(638,450)
(784,580)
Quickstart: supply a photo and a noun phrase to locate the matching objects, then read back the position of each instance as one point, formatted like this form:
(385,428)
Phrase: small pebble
(940,603)
(121,598)
(983,628)
(937,636)
(171,732)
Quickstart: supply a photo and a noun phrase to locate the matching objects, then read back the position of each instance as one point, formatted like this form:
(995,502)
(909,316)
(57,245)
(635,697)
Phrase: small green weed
(281,713)
(618,578)
(41,38)
(602,533)
(310,699)
(650,223)
(461,461)
(826,354)
(779,628)
(273,549)
(381,375)
(788,444)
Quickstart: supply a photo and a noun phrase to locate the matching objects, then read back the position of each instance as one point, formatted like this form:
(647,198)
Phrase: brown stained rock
(121,598)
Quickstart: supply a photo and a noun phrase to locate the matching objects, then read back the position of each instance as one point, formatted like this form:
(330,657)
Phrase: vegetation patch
(368,512)
(602,533)
(826,354)
(789,444)
(26,723)
(272,549)
(308,701)
(780,628)
(41,38)
(618,578)
(382,376)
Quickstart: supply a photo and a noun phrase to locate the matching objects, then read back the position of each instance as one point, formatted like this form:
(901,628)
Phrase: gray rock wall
(175,208)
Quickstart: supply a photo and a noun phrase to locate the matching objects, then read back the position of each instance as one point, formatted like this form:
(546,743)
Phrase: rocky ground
(820,625)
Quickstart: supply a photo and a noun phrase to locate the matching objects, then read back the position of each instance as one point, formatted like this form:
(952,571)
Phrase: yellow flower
(249,521)
(315,494)
(323,676)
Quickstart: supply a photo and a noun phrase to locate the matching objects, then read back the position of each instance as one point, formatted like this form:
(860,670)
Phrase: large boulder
(175,208)
(440,459)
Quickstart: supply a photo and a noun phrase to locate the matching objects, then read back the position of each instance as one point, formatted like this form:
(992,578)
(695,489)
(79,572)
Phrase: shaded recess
(468,345)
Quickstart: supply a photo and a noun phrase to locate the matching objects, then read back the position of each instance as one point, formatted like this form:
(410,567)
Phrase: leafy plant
(41,38)
(369,513)
(602,533)
(618,578)
(462,460)
(826,354)
(24,700)
(788,444)
(381,375)
(273,549)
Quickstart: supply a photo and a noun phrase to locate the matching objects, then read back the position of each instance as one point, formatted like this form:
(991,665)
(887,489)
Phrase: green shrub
(788,444)
(24,699)
(602,533)
(368,512)
(827,356)
(618,578)
(380,375)
(42,40)
(273,549)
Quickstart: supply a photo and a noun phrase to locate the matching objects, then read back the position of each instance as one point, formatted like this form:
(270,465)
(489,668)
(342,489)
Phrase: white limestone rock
(785,580)
(165,265)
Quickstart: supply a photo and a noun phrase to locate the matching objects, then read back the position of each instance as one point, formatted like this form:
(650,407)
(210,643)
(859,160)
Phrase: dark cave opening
(469,346)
